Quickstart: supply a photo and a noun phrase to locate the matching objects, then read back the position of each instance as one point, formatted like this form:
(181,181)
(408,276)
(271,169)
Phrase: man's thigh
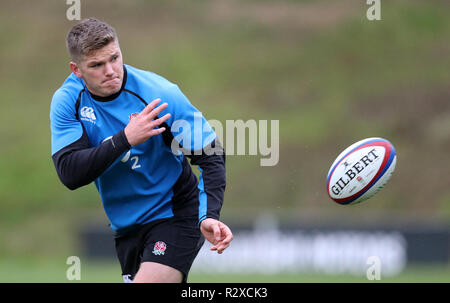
(151,272)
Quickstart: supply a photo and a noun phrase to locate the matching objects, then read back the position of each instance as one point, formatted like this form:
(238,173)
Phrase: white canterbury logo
(127,279)
(87,114)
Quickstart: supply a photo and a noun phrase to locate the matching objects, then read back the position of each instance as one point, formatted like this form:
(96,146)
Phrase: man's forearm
(78,164)
(214,178)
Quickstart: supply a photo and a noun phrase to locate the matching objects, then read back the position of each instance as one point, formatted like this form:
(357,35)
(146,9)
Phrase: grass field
(54,271)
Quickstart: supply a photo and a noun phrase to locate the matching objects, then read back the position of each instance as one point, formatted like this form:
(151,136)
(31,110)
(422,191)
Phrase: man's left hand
(217,233)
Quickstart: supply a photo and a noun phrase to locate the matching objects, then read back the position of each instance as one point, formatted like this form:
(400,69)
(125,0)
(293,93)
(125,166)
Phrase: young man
(116,125)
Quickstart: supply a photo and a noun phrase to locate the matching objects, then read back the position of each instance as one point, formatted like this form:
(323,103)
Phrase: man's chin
(110,91)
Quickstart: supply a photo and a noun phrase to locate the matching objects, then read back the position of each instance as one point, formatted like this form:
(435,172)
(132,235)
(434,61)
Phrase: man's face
(101,70)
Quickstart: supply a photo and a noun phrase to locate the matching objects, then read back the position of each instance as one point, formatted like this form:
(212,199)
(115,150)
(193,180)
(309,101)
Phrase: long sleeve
(79,164)
(212,183)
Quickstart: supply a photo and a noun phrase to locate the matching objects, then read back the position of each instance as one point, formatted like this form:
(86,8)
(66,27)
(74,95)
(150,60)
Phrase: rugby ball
(361,170)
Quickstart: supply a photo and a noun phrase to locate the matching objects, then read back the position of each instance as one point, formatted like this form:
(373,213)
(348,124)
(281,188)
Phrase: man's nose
(108,69)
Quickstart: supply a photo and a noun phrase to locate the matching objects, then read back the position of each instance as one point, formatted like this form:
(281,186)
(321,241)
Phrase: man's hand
(217,233)
(142,127)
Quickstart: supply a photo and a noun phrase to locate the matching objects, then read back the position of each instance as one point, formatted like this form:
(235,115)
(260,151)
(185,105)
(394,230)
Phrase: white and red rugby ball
(361,170)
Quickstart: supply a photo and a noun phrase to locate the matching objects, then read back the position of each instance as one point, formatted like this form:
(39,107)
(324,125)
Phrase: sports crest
(159,248)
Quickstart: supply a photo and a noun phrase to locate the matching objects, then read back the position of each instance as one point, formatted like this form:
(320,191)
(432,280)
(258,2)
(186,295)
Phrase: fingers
(223,238)
(161,120)
(157,131)
(147,110)
(151,112)
(155,112)
(226,240)
(217,233)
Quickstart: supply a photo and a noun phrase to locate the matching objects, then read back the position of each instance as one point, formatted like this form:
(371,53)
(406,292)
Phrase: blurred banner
(267,248)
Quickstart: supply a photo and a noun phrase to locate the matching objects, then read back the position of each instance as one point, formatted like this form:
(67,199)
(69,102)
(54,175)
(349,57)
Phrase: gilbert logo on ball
(361,170)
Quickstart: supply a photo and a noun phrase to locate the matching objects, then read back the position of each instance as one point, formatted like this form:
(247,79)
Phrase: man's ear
(74,68)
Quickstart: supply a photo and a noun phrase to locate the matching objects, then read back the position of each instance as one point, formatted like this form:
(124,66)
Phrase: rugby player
(115,125)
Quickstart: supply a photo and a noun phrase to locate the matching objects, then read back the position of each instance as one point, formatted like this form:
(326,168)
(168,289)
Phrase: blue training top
(137,184)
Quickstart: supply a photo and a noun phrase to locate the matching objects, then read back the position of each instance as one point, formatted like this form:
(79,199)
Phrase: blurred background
(329,76)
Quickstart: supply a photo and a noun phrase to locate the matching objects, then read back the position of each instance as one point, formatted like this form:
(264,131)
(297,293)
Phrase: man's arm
(212,166)
(211,163)
(79,164)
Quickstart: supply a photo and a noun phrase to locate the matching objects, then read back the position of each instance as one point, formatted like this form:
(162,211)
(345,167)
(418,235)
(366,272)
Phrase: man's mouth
(109,81)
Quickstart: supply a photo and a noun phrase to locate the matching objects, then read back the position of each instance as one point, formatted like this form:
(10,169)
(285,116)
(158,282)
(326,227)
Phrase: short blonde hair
(87,36)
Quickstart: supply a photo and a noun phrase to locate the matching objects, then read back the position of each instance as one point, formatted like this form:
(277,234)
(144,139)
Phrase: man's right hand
(142,126)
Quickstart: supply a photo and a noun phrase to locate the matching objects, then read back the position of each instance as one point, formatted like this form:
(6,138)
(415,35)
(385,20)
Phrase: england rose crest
(159,248)
(132,116)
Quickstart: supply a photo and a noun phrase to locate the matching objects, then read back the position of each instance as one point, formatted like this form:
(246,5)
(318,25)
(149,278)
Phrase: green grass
(54,271)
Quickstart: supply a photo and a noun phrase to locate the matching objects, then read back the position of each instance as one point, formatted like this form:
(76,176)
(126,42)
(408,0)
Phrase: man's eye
(115,58)
(96,65)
